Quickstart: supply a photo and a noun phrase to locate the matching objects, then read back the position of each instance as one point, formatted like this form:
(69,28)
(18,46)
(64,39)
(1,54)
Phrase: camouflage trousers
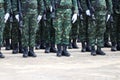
(7,30)
(96,32)
(2,25)
(29,30)
(40,34)
(83,29)
(62,25)
(15,32)
(116,28)
(74,30)
(49,30)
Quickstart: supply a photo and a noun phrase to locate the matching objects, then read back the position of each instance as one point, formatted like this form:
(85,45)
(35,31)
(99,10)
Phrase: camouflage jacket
(103,6)
(29,6)
(70,3)
(6,5)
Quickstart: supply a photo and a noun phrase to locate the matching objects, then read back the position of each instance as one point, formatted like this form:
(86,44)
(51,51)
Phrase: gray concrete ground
(80,66)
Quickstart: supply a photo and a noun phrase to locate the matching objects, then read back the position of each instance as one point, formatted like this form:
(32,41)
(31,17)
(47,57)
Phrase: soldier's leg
(92,35)
(25,35)
(66,27)
(74,35)
(118,31)
(52,38)
(47,36)
(37,40)
(82,33)
(33,27)
(107,35)
(2,25)
(88,47)
(70,39)
(113,34)
(100,33)
(7,35)
(14,38)
(42,33)
(58,33)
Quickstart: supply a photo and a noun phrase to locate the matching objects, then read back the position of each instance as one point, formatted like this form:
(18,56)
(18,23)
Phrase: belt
(64,7)
(1,5)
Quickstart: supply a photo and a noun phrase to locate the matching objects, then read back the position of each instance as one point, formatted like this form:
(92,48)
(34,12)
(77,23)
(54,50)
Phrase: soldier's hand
(74,18)
(39,18)
(7,15)
(17,17)
(51,8)
(88,13)
(108,17)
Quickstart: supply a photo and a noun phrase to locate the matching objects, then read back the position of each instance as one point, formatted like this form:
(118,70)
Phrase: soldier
(3,4)
(62,24)
(49,30)
(15,32)
(83,26)
(115,39)
(7,34)
(40,34)
(102,7)
(29,10)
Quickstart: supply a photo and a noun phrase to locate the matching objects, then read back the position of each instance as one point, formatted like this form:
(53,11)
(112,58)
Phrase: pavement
(80,66)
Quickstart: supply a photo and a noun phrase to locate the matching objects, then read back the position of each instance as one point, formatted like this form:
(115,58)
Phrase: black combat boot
(113,48)
(7,46)
(78,41)
(42,45)
(59,52)
(88,47)
(20,48)
(70,44)
(47,49)
(83,47)
(74,44)
(53,49)
(25,52)
(1,55)
(107,44)
(15,49)
(65,52)
(99,51)
(93,51)
(118,46)
(31,52)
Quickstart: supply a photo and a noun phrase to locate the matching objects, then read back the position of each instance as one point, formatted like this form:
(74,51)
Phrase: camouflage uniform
(7,34)
(115,39)
(3,3)
(49,30)
(83,28)
(15,33)
(29,9)
(97,31)
(74,35)
(63,24)
(107,35)
(40,34)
